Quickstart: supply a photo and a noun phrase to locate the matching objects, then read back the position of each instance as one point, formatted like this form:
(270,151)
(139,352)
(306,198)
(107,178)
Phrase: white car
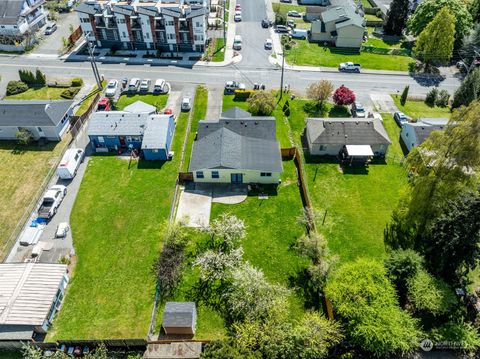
(268,44)
(62,230)
(294,13)
(133,84)
(186,105)
(145,85)
(111,88)
(238,16)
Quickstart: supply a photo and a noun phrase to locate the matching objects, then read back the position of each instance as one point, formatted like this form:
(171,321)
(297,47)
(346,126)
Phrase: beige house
(342,26)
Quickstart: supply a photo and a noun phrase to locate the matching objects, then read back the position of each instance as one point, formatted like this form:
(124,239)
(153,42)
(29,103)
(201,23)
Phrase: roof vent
(241,122)
(356,122)
(47,107)
(346,136)
(256,122)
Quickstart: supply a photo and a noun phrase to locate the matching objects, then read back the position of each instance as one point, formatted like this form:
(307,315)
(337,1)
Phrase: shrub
(40,78)
(27,77)
(15,87)
(243,95)
(432,97)
(261,103)
(343,96)
(442,98)
(70,93)
(24,136)
(77,82)
(404,97)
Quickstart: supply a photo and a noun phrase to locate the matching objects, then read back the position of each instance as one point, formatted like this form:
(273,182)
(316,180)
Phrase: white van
(67,169)
(298,33)
(237,42)
(160,86)
(134,84)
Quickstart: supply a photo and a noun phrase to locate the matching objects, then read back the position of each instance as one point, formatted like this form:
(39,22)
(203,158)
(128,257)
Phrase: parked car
(238,7)
(161,86)
(282,29)
(168,111)
(400,118)
(238,16)
(111,88)
(186,104)
(294,13)
(104,104)
(51,201)
(62,230)
(231,86)
(237,42)
(145,85)
(266,23)
(287,1)
(51,28)
(67,169)
(291,23)
(268,44)
(124,82)
(134,84)
(298,33)
(349,67)
(358,110)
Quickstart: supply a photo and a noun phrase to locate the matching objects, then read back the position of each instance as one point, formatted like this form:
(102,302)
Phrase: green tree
(435,42)
(40,78)
(404,97)
(397,17)
(427,11)
(320,92)
(225,349)
(24,136)
(469,90)
(470,44)
(261,103)
(366,301)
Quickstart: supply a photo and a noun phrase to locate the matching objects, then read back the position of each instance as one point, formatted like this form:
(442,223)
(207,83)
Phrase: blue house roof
(156,132)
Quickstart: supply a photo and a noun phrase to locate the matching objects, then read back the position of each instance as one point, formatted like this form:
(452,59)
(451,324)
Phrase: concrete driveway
(194,208)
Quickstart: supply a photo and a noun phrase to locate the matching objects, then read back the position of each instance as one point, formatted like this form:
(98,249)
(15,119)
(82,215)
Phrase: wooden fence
(74,36)
(185,176)
(77,122)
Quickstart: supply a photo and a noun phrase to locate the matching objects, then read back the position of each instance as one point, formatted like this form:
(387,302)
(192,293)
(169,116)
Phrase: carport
(358,153)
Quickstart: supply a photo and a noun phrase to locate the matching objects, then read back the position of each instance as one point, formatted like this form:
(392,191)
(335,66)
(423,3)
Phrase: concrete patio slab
(194,208)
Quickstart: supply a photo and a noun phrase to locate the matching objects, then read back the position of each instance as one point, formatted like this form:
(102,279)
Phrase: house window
(406,134)
(197,24)
(265,174)
(123,34)
(200,174)
(133,139)
(323,148)
(198,37)
(169,23)
(215,174)
(171,36)
(39,129)
(101,139)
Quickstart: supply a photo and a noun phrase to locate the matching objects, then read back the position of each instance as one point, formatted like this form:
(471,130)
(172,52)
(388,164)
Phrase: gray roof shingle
(179,314)
(117,123)
(347,131)
(425,126)
(25,113)
(156,133)
(10,11)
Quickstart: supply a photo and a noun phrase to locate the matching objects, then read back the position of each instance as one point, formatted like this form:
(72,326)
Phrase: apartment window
(170,23)
(123,34)
(101,139)
(121,21)
(265,174)
(147,35)
(198,24)
(171,36)
(215,174)
(198,37)
(199,174)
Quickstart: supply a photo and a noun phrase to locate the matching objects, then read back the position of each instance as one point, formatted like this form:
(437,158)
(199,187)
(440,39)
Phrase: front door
(236,178)
(122,141)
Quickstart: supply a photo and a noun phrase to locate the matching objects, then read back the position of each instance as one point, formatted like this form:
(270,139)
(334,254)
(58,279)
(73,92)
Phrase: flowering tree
(343,96)
(226,232)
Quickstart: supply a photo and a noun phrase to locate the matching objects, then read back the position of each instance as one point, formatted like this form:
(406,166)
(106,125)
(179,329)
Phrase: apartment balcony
(33,5)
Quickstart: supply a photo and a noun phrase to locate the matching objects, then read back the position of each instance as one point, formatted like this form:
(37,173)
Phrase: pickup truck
(51,201)
(231,86)
(349,67)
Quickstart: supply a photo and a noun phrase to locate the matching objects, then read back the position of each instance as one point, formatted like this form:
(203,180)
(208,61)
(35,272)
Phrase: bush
(40,78)
(243,95)
(261,103)
(77,82)
(24,136)
(27,77)
(442,98)
(343,96)
(70,93)
(15,87)
(432,96)
(403,98)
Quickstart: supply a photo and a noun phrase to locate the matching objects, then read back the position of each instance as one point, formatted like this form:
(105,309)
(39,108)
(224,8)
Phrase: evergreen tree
(397,17)
(469,90)
(404,97)
(40,78)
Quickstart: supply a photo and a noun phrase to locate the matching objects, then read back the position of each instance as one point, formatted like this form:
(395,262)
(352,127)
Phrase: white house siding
(198,30)
(122,28)
(249,176)
(349,36)
(170,31)
(408,136)
(146,30)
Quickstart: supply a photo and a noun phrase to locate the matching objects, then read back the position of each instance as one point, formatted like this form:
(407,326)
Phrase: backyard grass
(312,54)
(159,101)
(199,112)
(117,224)
(418,109)
(285,8)
(42,93)
(377,41)
(22,171)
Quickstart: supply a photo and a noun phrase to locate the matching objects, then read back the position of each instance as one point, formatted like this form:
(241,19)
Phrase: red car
(103,104)
(168,111)
(238,7)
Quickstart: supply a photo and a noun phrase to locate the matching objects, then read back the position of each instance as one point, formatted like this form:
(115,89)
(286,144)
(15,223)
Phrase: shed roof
(24,113)
(140,107)
(179,314)
(347,131)
(117,123)
(425,126)
(156,132)
(27,291)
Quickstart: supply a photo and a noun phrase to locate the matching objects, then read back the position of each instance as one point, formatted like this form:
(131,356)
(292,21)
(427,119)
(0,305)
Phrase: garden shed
(179,318)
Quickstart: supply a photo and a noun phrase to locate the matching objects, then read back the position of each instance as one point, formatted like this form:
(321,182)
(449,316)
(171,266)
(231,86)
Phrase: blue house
(121,130)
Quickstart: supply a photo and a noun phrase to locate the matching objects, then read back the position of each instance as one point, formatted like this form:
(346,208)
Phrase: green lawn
(88,100)
(219,54)
(418,109)
(117,224)
(10,355)
(376,41)
(199,112)
(312,54)
(285,8)
(43,93)
(159,101)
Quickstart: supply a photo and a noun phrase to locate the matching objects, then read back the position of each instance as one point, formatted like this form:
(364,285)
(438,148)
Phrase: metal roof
(347,131)
(156,132)
(24,113)
(179,314)
(27,291)
(117,123)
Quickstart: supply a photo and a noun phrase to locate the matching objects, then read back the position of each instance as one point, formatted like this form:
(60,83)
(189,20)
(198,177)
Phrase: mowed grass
(418,109)
(42,93)
(88,100)
(159,101)
(312,54)
(199,112)
(358,203)
(22,171)
(117,224)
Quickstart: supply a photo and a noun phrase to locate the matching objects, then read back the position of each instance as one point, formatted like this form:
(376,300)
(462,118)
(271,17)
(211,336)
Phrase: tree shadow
(303,285)
(16,148)
(144,164)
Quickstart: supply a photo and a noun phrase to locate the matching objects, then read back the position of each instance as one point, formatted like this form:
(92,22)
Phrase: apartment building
(165,25)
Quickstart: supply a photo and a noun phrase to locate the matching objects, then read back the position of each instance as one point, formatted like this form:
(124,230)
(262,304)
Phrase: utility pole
(281,79)
(224,24)
(91,52)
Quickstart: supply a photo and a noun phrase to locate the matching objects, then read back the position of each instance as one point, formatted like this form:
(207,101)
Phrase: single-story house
(331,136)
(415,133)
(237,148)
(179,318)
(44,119)
(120,130)
(30,296)
(342,26)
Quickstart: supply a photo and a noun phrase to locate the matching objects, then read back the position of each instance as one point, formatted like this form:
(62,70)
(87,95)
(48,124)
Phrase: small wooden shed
(179,318)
